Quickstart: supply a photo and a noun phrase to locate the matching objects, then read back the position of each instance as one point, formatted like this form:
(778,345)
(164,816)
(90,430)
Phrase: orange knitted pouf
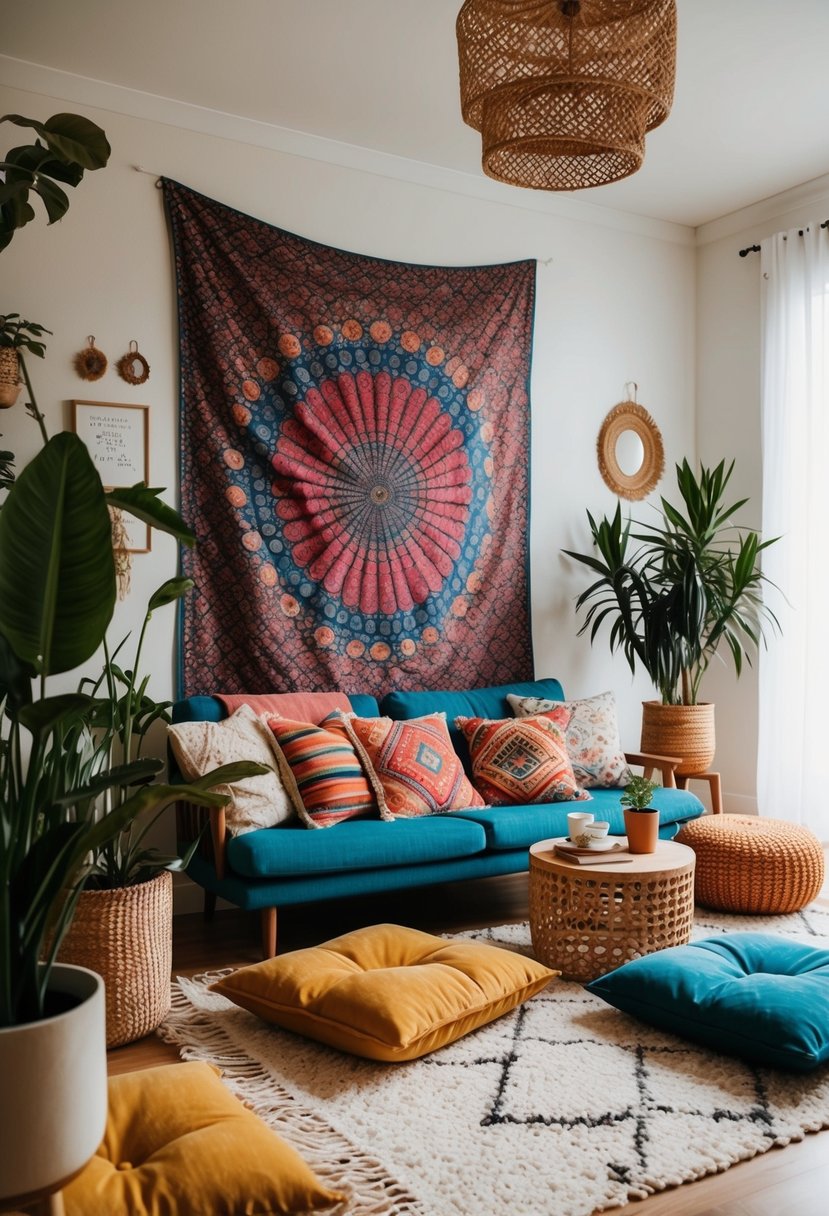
(749,864)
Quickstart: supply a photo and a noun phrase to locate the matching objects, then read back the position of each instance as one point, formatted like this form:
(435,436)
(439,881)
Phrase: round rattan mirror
(628,435)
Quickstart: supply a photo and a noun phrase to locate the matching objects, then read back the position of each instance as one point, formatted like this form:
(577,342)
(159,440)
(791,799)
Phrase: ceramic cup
(596,832)
(577,821)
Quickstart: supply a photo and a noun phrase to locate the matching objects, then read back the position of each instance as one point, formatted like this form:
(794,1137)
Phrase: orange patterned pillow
(414,763)
(516,762)
(322,772)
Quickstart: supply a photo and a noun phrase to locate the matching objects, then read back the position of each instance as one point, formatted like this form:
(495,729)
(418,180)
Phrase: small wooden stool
(714,784)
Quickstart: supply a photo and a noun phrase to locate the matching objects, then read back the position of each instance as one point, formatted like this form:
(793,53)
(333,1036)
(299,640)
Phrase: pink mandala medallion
(374,488)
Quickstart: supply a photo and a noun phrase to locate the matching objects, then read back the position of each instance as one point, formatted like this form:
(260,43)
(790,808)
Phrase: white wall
(615,303)
(728,371)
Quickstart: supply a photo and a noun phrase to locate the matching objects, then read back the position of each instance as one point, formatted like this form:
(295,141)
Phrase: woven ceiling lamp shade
(563,91)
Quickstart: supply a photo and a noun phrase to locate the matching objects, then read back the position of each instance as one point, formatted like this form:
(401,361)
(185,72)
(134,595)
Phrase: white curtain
(793,745)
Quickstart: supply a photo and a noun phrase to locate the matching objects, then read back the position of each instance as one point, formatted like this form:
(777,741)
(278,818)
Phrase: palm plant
(692,586)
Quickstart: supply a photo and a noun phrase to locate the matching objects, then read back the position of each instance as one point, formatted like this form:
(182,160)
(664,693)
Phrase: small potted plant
(641,818)
(16,335)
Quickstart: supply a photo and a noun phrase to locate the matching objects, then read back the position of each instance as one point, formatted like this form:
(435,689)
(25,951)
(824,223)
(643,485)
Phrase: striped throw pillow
(322,772)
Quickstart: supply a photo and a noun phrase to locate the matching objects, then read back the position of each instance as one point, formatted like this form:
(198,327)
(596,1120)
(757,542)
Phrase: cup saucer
(595,846)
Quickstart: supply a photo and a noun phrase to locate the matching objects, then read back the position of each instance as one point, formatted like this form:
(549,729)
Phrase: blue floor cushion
(754,995)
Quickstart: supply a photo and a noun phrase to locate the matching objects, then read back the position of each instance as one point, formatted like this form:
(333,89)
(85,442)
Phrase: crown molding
(767,211)
(133,103)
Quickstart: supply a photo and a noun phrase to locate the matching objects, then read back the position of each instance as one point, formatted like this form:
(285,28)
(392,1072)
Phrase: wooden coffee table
(588,920)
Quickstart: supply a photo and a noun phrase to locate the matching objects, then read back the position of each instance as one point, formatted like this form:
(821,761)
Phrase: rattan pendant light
(563,91)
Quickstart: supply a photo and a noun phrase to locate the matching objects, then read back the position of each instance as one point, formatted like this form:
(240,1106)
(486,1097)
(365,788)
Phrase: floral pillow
(517,762)
(414,763)
(592,735)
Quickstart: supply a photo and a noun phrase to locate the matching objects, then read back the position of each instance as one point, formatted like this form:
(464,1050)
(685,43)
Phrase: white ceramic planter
(53,1096)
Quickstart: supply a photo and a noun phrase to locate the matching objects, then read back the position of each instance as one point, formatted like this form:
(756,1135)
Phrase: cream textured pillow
(592,736)
(256,802)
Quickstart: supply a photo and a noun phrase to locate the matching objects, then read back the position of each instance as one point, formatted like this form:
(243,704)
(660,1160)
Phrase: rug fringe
(371,1190)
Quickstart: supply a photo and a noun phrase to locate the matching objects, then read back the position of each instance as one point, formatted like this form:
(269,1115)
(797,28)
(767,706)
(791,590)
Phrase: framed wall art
(117,439)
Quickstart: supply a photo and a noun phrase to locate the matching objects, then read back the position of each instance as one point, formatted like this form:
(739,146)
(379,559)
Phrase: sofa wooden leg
(268,917)
(209,905)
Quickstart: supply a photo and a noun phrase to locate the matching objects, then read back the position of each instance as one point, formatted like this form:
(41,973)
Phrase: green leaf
(54,199)
(137,772)
(72,137)
(45,715)
(57,575)
(143,502)
(170,591)
(15,679)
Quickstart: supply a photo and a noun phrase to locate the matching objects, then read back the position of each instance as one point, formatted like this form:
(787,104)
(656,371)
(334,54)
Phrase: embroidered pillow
(256,802)
(516,762)
(416,767)
(322,771)
(592,736)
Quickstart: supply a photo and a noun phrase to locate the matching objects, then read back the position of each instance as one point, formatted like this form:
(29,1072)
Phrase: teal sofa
(274,867)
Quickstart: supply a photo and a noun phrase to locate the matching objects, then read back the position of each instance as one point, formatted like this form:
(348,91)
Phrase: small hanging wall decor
(90,363)
(121,553)
(630,450)
(132,366)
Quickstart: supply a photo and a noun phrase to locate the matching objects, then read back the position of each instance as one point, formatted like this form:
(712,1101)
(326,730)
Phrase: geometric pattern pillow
(255,802)
(517,762)
(322,772)
(415,765)
(592,735)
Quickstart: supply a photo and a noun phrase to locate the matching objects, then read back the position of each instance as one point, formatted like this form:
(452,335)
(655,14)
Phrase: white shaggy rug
(563,1108)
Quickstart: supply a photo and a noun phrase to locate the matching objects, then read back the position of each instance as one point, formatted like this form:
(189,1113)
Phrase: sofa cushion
(750,994)
(255,802)
(387,992)
(322,772)
(357,844)
(417,769)
(177,1141)
(517,827)
(469,703)
(592,734)
(520,761)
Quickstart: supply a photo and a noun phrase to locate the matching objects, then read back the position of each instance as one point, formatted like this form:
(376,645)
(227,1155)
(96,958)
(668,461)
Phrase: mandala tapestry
(354,461)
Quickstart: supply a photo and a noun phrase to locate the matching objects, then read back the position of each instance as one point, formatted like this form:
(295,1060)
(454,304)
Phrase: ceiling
(749,115)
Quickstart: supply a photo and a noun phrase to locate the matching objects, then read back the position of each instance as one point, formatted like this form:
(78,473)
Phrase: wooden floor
(783,1182)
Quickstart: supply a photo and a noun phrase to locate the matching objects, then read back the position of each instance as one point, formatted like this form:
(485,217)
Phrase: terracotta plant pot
(686,731)
(53,1099)
(642,830)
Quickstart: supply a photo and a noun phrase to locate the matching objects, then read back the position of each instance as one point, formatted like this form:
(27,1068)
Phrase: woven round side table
(587,920)
(746,863)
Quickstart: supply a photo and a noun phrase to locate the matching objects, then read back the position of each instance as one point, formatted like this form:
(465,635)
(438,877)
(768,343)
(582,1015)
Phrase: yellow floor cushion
(177,1141)
(387,992)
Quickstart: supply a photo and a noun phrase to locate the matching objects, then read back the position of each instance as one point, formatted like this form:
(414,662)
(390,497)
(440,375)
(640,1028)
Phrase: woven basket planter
(10,382)
(686,731)
(126,935)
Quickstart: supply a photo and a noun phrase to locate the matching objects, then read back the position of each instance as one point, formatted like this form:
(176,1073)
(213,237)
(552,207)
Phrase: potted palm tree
(676,593)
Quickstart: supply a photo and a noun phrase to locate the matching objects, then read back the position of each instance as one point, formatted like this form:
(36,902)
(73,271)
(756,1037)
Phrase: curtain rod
(756,248)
